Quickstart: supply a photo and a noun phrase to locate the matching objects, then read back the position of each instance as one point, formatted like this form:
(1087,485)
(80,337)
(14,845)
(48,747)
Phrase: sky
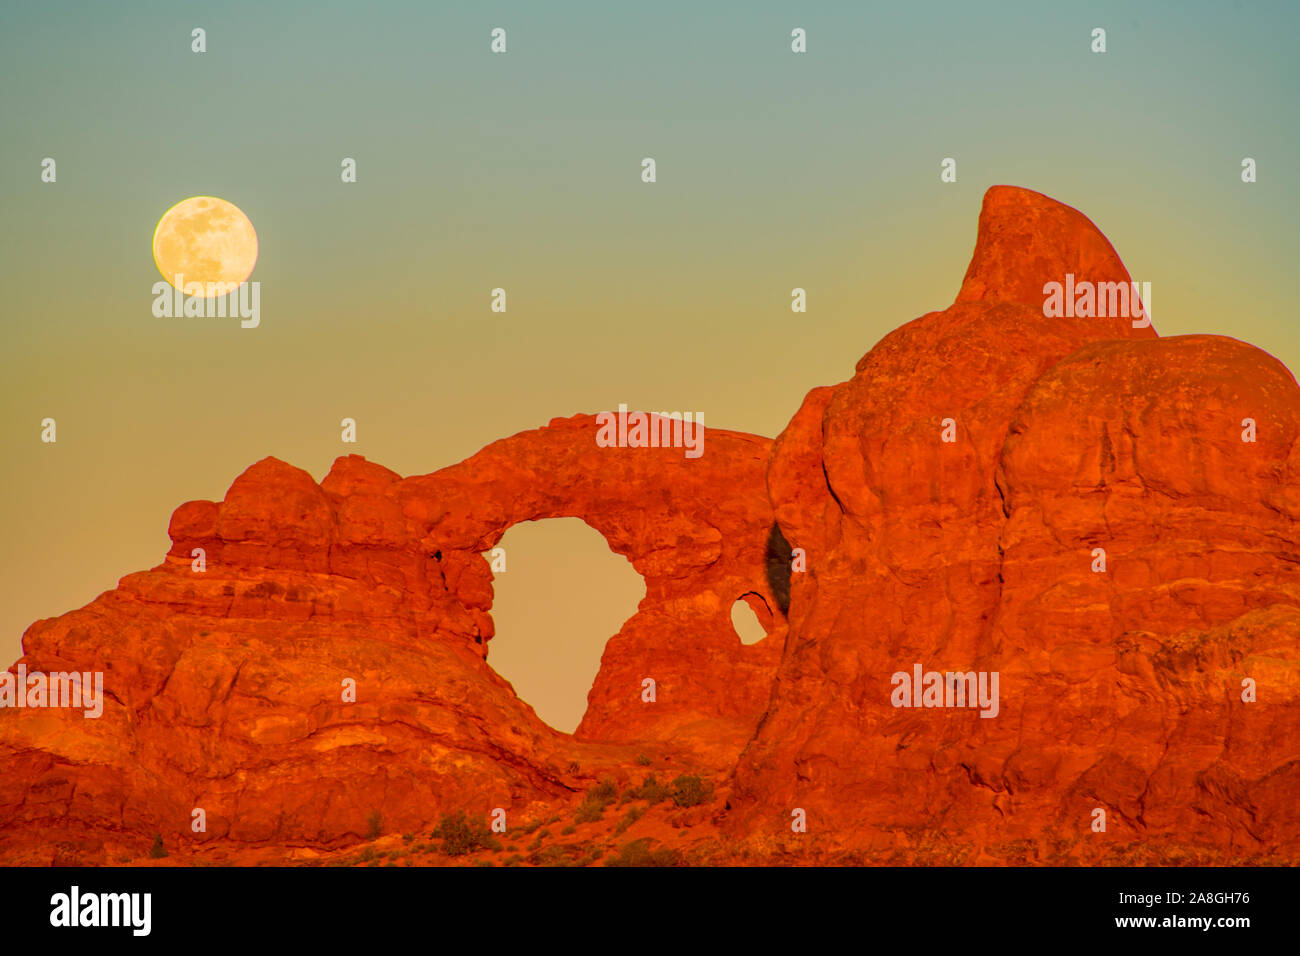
(522,171)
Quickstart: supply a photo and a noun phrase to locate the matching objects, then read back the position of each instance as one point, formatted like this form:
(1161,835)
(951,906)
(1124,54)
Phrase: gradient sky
(477,170)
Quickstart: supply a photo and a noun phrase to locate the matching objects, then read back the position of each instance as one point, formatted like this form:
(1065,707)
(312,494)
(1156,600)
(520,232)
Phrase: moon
(207,243)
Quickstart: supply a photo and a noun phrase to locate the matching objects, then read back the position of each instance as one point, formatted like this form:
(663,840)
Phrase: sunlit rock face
(227,689)
(1121,669)
(1096,525)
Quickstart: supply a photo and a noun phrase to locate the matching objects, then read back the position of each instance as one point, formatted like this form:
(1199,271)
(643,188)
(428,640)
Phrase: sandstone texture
(1120,690)
(1097,532)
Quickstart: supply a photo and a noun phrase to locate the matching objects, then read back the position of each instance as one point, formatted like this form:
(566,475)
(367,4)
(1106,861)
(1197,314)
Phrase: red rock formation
(225,686)
(1120,688)
(695,529)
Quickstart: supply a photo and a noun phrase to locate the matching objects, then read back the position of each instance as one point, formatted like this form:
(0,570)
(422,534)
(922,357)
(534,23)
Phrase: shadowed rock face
(1119,689)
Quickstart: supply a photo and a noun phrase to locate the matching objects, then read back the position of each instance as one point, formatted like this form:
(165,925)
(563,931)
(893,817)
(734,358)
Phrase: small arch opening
(751,618)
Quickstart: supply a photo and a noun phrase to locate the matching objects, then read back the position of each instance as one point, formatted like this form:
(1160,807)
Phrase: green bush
(606,791)
(629,818)
(638,853)
(460,836)
(651,790)
(643,760)
(157,851)
(597,799)
(562,855)
(689,790)
(374,825)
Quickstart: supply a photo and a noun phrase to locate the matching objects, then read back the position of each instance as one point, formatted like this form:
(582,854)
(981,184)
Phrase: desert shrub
(643,760)
(460,836)
(374,825)
(606,791)
(597,799)
(157,851)
(689,790)
(559,855)
(638,853)
(651,790)
(629,818)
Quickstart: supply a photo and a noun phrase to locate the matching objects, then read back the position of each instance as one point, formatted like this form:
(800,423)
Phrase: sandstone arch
(697,533)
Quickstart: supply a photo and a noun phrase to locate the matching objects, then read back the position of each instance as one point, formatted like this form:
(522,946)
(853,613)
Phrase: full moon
(206,243)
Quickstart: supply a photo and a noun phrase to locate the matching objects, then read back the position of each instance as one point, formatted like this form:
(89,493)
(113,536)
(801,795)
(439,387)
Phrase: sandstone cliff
(1121,683)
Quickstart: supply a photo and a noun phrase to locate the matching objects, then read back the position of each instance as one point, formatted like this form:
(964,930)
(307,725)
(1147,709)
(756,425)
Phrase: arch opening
(751,618)
(562,596)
